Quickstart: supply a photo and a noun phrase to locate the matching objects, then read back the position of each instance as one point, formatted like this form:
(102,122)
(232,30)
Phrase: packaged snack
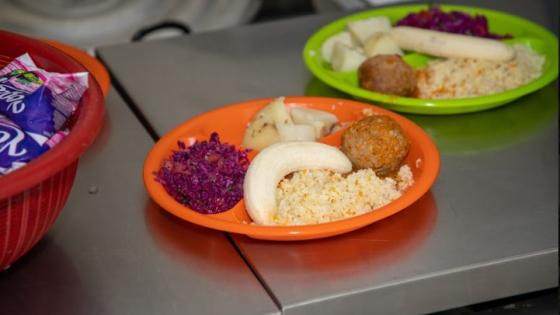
(38,101)
(56,138)
(16,147)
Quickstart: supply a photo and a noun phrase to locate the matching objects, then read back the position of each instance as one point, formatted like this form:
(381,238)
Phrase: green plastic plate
(526,32)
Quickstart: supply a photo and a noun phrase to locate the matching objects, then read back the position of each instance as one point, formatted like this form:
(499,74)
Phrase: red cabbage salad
(451,22)
(206,176)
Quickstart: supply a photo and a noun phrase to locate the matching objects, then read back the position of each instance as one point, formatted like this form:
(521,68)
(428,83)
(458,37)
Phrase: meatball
(387,74)
(376,142)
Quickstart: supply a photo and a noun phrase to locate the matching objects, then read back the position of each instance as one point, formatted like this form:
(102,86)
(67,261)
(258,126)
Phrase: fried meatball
(375,142)
(387,74)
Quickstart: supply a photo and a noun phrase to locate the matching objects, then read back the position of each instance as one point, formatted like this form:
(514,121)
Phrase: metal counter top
(487,229)
(113,251)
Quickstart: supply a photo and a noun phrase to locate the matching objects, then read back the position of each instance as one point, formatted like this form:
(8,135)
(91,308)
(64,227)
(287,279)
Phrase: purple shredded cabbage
(207,176)
(450,22)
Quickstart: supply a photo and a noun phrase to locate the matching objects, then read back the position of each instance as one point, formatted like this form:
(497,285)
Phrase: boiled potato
(296,132)
(321,121)
(381,44)
(275,123)
(260,134)
(328,45)
(362,30)
(345,58)
(277,111)
(262,130)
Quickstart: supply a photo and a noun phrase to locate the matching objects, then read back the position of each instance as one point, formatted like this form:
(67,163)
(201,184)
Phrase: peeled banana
(278,160)
(450,45)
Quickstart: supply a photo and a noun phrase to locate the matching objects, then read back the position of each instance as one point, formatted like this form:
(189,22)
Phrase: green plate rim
(431,106)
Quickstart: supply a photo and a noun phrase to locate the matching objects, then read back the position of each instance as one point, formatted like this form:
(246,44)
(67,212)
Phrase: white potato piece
(262,130)
(328,45)
(260,134)
(295,132)
(381,44)
(345,58)
(449,45)
(364,29)
(278,112)
(321,121)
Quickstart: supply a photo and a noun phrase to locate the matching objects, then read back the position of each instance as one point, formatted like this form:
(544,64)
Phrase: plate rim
(431,106)
(166,202)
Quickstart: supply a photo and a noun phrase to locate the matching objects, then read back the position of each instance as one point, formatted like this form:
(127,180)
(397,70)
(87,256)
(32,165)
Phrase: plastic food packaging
(35,106)
(16,148)
(38,101)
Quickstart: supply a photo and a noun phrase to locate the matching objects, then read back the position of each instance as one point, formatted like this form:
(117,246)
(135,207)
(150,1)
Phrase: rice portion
(318,196)
(461,78)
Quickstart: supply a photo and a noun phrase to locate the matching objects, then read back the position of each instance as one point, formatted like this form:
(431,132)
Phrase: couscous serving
(464,77)
(319,196)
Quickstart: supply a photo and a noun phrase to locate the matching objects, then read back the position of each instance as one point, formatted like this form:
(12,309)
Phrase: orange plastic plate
(230,122)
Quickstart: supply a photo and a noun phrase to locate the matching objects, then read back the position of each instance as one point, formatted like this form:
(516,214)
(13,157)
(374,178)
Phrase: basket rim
(82,135)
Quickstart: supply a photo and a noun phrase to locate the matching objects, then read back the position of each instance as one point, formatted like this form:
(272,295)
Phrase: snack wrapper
(16,147)
(38,101)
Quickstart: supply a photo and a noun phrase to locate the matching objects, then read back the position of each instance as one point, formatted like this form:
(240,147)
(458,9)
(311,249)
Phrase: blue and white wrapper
(38,101)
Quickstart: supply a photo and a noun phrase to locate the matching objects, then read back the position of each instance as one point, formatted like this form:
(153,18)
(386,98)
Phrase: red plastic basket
(32,197)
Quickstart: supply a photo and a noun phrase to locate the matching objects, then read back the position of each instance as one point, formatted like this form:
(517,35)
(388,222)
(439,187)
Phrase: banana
(278,160)
(449,45)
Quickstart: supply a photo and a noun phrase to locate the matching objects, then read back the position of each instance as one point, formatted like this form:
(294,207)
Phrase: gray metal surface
(488,228)
(113,251)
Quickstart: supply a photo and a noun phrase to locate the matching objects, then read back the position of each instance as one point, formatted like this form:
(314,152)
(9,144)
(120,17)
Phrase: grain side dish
(461,78)
(319,196)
